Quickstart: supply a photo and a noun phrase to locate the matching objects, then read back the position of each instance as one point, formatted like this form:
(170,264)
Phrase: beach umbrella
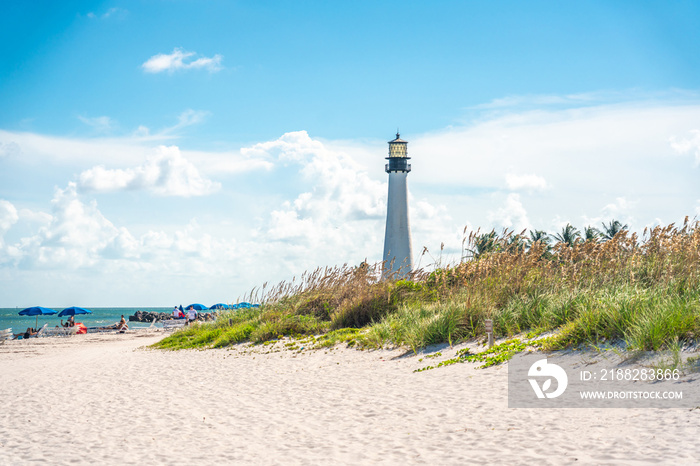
(220,306)
(37,311)
(244,305)
(73,310)
(197,307)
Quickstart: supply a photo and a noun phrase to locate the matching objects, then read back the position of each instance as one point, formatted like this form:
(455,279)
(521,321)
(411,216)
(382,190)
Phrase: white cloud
(582,147)
(231,162)
(339,198)
(187,118)
(512,215)
(142,132)
(685,145)
(176,61)
(101,124)
(187,252)
(519,101)
(114,12)
(339,186)
(8,216)
(79,153)
(550,101)
(588,157)
(76,236)
(525,182)
(432,226)
(166,173)
(620,208)
(37,217)
(190,117)
(9,148)
(40,149)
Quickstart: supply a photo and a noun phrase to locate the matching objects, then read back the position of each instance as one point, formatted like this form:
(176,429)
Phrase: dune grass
(643,292)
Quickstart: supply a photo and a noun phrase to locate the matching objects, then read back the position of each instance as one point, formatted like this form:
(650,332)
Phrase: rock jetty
(141,316)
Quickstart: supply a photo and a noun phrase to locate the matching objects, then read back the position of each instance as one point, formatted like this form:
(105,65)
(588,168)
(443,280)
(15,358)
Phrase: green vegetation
(587,289)
(491,357)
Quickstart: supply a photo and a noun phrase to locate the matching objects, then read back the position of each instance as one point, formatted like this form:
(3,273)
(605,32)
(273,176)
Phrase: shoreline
(107,399)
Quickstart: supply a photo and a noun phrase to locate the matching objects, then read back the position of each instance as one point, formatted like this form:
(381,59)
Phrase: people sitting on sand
(176,313)
(122,325)
(29,333)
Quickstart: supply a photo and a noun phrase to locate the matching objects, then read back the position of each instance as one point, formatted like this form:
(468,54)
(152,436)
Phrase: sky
(155,153)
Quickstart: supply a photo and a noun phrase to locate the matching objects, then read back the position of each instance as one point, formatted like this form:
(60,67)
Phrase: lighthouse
(398,253)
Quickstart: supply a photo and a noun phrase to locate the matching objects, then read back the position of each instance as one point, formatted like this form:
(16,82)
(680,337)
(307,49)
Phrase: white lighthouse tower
(398,253)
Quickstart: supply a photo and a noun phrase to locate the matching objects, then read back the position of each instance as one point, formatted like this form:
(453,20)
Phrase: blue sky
(160,152)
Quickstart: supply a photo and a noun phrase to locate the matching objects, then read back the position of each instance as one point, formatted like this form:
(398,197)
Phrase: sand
(103,399)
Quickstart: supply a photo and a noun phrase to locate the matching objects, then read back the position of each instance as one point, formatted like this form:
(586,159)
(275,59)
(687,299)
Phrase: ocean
(100,316)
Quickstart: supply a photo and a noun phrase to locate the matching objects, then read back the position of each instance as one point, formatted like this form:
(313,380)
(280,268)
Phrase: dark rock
(140,316)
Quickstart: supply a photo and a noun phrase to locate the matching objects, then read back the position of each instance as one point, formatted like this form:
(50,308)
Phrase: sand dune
(104,399)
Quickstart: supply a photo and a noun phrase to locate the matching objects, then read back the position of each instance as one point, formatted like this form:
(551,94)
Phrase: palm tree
(609,231)
(569,235)
(538,235)
(485,243)
(515,243)
(591,234)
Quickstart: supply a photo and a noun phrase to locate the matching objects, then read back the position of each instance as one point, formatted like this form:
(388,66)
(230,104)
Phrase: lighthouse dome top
(398,140)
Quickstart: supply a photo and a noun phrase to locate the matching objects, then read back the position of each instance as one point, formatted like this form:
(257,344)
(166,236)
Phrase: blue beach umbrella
(244,305)
(73,310)
(220,306)
(37,311)
(197,307)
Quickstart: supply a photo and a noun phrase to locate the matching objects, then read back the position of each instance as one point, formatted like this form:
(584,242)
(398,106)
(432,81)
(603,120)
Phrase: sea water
(100,317)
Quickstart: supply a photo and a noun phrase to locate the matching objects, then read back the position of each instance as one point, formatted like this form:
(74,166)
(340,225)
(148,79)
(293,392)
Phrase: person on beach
(191,315)
(176,313)
(69,323)
(122,325)
(29,333)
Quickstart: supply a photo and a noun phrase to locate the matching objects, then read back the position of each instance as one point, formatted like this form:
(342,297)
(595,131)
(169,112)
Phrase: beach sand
(103,399)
